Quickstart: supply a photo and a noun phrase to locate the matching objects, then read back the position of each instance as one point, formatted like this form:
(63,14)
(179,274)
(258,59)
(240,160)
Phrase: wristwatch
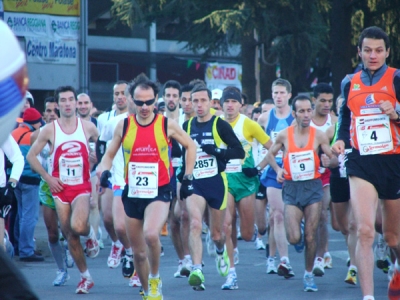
(258,168)
(13,184)
(188,177)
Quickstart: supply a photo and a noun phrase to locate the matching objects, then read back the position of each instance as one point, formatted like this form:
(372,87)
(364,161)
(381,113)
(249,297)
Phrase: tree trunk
(342,50)
(248,67)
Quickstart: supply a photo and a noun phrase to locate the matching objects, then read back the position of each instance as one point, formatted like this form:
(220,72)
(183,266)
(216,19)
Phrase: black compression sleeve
(228,136)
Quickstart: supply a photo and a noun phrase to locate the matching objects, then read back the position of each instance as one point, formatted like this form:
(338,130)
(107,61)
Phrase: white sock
(353,267)
(117,243)
(285,259)
(154,276)
(306,273)
(369,297)
(86,274)
(128,251)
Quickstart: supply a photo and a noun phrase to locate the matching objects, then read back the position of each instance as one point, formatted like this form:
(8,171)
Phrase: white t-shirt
(11,149)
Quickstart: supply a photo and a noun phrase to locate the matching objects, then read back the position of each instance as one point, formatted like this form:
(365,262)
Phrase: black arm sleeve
(100,149)
(345,114)
(176,150)
(234,147)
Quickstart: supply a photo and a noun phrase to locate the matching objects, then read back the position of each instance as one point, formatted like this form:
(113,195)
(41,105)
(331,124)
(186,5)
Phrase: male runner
(243,181)
(302,189)
(369,118)
(145,139)
(278,119)
(216,145)
(69,177)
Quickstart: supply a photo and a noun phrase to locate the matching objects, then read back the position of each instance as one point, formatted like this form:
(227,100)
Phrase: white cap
(28,95)
(12,58)
(216,94)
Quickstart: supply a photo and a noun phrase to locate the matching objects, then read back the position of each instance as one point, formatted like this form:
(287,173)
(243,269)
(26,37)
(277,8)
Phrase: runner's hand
(186,189)
(250,172)
(338,147)
(55,184)
(213,150)
(279,176)
(104,178)
(325,160)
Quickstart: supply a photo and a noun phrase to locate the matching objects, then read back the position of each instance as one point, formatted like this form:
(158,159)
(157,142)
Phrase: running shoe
(134,281)
(210,245)
(348,262)
(381,253)
(186,267)
(92,248)
(164,230)
(351,277)
(318,269)
(114,259)
(299,247)
(231,282)
(328,261)
(61,279)
(285,270)
(127,266)
(155,289)
(196,280)
(222,262)
(394,286)
(309,284)
(271,268)
(69,261)
(235,256)
(162,251)
(259,245)
(84,285)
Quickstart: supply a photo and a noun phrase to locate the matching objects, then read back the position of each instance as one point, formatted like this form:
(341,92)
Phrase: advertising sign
(41,50)
(223,75)
(53,7)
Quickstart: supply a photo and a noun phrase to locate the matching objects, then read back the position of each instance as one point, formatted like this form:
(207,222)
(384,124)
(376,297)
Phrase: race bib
(234,166)
(205,166)
(71,169)
(176,162)
(302,166)
(143,180)
(373,134)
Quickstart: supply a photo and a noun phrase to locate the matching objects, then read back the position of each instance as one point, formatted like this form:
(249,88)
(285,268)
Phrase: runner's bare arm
(178,134)
(330,160)
(38,144)
(273,151)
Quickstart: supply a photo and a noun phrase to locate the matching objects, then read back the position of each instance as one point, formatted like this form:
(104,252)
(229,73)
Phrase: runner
(216,145)
(302,189)
(369,119)
(145,139)
(322,120)
(69,178)
(278,119)
(242,175)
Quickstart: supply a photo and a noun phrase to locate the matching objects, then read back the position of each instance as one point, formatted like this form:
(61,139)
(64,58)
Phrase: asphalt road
(253,281)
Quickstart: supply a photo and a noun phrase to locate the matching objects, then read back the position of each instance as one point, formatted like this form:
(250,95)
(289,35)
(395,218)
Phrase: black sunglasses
(147,102)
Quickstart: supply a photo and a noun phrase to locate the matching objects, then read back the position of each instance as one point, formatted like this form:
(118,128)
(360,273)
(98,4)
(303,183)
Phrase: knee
(391,239)
(80,228)
(53,237)
(139,257)
(366,233)
(277,216)
(196,225)
(152,237)
(309,239)
(107,217)
(94,203)
(184,216)
(119,227)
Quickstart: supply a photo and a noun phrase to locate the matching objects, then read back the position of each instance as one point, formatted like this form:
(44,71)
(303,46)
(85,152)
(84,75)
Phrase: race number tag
(302,166)
(373,134)
(234,166)
(205,166)
(176,162)
(71,170)
(143,180)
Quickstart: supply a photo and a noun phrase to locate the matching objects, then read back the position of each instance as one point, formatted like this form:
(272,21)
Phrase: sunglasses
(147,102)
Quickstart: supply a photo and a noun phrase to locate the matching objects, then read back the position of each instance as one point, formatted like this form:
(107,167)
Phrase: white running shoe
(236,256)
(271,267)
(61,279)
(69,261)
(114,259)
(134,281)
(259,245)
(231,282)
(210,245)
(318,269)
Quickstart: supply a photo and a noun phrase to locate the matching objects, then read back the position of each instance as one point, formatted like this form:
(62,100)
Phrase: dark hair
(121,82)
(283,82)
(200,88)
(375,33)
(299,98)
(256,110)
(187,87)
(50,99)
(196,82)
(173,84)
(145,83)
(322,88)
(62,89)
(268,101)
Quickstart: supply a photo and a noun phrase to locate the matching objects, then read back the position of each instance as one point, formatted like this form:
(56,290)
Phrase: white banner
(36,25)
(41,50)
(223,75)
